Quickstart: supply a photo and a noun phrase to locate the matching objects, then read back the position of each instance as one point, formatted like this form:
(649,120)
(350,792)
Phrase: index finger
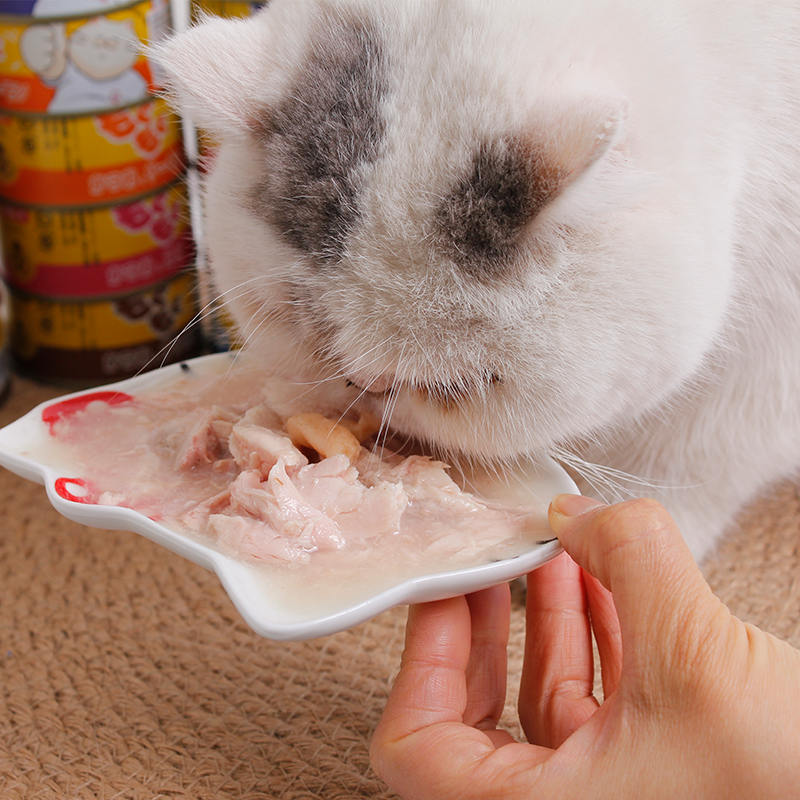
(636,551)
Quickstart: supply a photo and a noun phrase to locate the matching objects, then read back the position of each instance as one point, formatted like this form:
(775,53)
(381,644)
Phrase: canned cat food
(56,61)
(88,342)
(228,8)
(72,161)
(88,253)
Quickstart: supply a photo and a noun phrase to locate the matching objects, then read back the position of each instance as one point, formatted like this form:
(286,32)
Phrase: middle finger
(556,693)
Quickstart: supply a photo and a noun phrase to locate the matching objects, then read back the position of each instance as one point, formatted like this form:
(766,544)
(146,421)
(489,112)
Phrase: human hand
(697,703)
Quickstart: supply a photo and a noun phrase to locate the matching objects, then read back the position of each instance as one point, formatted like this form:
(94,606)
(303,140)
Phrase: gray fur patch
(483,218)
(317,140)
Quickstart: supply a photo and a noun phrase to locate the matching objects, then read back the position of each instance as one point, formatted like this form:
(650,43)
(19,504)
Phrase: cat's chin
(459,432)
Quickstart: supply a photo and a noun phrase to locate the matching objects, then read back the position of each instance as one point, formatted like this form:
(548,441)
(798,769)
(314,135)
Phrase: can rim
(43,116)
(185,274)
(174,183)
(31,20)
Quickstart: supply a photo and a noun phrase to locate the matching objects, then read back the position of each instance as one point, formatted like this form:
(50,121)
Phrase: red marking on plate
(67,408)
(76,490)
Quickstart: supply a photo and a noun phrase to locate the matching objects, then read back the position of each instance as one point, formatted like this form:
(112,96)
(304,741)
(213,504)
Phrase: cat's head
(498,219)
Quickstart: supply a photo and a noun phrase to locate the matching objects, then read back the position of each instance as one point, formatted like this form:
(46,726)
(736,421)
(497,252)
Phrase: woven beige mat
(126,672)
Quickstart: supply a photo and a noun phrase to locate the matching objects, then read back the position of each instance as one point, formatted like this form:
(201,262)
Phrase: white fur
(653,326)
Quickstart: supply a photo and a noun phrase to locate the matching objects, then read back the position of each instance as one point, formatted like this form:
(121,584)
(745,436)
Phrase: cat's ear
(215,71)
(581,149)
(577,136)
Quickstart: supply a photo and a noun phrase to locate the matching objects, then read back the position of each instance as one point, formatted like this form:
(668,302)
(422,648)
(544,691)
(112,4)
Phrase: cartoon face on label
(91,68)
(103,49)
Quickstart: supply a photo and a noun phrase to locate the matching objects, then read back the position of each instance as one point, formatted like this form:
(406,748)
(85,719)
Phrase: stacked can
(96,242)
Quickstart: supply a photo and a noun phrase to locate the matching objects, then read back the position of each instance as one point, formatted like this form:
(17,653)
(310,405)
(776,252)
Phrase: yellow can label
(54,64)
(53,162)
(103,339)
(200,7)
(87,253)
(228,8)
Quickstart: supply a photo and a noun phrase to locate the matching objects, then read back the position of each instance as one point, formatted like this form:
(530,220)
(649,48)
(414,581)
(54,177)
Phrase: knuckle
(631,524)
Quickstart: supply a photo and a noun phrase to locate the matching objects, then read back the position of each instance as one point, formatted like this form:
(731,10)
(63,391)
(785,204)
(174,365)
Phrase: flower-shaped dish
(267,608)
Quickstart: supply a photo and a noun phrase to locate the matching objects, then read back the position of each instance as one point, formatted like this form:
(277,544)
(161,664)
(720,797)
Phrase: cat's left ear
(582,148)
(215,72)
(579,134)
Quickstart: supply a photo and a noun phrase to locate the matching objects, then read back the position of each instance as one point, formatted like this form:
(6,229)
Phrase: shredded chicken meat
(272,481)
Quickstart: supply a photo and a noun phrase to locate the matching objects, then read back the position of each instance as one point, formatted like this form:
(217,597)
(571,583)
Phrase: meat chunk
(267,486)
(327,437)
(258,448)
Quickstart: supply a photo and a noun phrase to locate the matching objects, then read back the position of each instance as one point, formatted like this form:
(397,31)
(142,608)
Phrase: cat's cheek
(284,357)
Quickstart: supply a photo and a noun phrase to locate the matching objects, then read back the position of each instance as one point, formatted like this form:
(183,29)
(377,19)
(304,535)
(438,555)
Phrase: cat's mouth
(445,395)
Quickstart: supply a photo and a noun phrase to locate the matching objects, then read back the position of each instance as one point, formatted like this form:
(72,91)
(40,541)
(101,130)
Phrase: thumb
(664,605)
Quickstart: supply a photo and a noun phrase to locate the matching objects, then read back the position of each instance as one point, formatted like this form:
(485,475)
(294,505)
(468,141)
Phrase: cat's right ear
(216,71)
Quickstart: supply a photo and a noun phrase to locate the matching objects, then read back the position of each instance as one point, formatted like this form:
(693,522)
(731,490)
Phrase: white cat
(523,226)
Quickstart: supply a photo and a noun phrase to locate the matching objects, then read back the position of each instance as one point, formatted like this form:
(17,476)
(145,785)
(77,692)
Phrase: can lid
(64,9)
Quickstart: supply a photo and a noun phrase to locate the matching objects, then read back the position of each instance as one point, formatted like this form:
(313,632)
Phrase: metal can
(75,161)
(96,245)
(78,56)
(89,253)
(81,343)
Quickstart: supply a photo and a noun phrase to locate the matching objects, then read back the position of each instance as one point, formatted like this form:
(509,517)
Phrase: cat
(523,226)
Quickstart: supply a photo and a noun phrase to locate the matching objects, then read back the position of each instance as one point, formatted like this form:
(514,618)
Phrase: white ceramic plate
(261,604)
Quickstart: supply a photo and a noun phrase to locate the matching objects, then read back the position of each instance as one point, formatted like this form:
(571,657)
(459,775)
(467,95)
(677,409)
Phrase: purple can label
(60,8)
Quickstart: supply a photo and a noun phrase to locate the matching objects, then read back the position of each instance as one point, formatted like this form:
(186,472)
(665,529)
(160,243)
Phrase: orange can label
(97,252)
(76,65)
(46,161)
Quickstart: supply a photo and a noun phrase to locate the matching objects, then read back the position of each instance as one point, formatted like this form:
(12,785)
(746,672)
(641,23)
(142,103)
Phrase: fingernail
(571,505)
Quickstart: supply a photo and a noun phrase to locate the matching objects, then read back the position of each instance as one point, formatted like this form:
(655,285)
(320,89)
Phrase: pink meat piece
(257,448)
(262,416)
(297,511)
(423,471)
(253,540)
(199,444)
(196,518)
(202,438)
(295,517)
(379,514)
(330,485)
(282,510)
(250,495)
(361,512)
